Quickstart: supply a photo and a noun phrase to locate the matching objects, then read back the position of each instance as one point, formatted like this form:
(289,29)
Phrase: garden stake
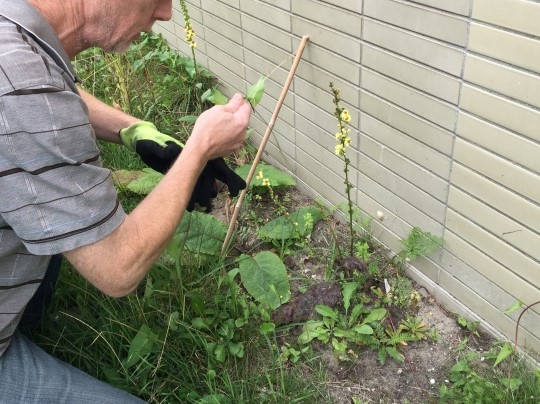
(266,136)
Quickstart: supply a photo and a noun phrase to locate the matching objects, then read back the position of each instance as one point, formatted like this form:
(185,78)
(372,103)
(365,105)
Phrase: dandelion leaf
(265,278)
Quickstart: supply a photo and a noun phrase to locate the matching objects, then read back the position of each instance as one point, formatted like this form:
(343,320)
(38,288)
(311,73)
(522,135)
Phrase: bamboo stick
(266,136)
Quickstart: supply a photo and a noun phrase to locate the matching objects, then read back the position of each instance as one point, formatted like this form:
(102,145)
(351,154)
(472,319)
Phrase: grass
(190,333)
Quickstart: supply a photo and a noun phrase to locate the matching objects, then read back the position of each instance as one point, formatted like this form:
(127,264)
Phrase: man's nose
(164,10)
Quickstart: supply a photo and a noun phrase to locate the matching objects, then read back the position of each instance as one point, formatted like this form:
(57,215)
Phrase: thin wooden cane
(266,136)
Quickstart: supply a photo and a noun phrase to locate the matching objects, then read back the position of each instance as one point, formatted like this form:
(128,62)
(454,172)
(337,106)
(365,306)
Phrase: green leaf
(146,183)
(348,290)
(516,306)
(141,345)
(265,278)
(363,329)
(276,177)
(505,352)
(198,233)
(326,311)
(294,226)
(375,315)
(189,118)
(266,328)
(236,349)
(220,352)
(255,92)
(214,399)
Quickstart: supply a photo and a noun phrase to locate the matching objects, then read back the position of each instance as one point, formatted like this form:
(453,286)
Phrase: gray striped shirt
(54,194)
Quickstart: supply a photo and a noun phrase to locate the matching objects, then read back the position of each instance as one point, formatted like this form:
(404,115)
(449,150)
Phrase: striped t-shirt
(55,195)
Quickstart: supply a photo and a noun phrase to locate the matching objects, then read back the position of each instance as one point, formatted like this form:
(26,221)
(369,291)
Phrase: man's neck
(66,18)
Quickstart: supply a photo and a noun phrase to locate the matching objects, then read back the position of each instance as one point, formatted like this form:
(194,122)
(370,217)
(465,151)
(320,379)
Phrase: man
(56,198)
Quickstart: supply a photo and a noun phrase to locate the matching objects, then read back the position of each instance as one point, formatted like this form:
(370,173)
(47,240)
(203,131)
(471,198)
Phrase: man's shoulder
(24,64)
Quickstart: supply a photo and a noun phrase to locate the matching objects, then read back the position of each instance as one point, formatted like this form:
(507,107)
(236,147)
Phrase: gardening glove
(159,152)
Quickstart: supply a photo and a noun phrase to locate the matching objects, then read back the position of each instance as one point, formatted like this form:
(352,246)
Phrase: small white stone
(432,381)
(380,215)
(399,371)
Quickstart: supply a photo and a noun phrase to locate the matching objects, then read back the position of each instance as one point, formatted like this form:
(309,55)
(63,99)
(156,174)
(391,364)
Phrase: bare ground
(427,363)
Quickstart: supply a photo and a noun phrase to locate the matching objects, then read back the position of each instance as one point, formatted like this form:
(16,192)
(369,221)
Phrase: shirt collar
(25,15)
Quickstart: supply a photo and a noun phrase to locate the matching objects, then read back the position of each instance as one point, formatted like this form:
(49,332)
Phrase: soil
(427,363)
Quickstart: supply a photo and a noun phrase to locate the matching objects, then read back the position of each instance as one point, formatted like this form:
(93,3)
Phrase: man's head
(124,20)
(108,24)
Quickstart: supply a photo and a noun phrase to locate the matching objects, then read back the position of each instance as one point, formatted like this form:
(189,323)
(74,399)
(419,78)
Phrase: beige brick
(265,50)
(411,73)
(321,78)
(503,79)
(497,249)
(476,258)
(402,188)
(321,118)
(329,166)
(417,128)
(225,46)
(327,38)
(455,6)
(264,67)
(327,60)
(501,111)
(503,200)
(284,4)
(518,15)
(445,27)
(228,78)
(272,15)
(429,52)
(405,168)
(269,33)
(498,169)
(339,18)
(488,312)
(509,47)
(223,11)
(225,29)
(266,108)
(498,224)
(514,147)
(477,284)
(427,107)
(425,156)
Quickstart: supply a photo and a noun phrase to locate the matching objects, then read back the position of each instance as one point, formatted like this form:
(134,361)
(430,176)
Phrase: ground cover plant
(302,307)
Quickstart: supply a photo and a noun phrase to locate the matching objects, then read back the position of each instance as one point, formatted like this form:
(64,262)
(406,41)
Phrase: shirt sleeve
(55,193)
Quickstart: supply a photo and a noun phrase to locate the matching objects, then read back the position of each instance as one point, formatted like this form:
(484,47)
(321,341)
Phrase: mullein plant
(343,143)
(190,33)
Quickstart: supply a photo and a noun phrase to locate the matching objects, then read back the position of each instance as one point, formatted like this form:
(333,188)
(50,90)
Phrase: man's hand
(159,151)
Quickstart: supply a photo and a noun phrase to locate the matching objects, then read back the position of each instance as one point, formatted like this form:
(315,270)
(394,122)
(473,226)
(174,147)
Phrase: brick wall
(445,100)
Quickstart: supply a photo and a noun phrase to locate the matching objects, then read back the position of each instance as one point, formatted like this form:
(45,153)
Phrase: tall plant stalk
(190,34)
(343,142)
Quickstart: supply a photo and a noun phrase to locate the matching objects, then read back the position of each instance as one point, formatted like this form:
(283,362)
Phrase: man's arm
(117,263)
(106,120)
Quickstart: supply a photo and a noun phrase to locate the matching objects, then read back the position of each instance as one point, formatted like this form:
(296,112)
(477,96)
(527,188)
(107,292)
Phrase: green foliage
(141,345)
(265,277)
(418,244)
(198,233)
(276,177)
(145,183)
(295,226)
(255,92)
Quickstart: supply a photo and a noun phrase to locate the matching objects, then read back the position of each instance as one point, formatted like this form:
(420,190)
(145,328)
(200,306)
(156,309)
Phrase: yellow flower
(260,175)
(345,116)
(339,135)
(266,182)
(347,141)
(340,150)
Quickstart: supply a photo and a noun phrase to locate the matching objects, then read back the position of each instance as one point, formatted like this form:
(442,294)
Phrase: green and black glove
(159,151)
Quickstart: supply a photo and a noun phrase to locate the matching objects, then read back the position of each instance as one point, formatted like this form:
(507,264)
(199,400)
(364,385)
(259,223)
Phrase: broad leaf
(146,182)
(375,315)
(348,290)
(297,225)
(141,345)
(265,278)
(198,233)
(255,92)
(505,352)
(326,311)
(276,177)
